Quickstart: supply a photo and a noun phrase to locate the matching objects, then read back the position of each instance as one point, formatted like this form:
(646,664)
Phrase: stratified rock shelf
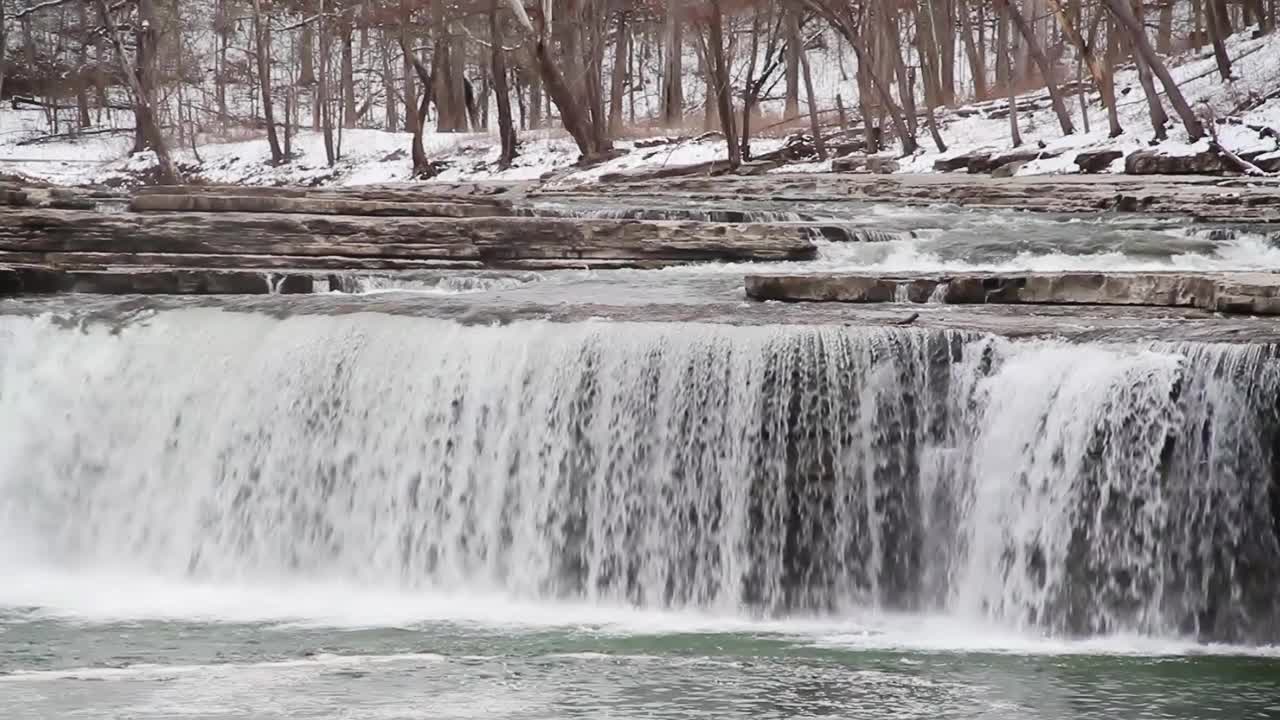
(245,240)
(1229,292)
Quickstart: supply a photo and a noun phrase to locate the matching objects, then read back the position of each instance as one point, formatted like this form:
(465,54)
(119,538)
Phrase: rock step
(157,202)
(489,241)
(1244,292)
(494,195)
(22,280)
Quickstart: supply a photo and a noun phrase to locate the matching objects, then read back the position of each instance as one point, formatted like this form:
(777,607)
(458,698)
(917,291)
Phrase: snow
(370,156)
(1255,68)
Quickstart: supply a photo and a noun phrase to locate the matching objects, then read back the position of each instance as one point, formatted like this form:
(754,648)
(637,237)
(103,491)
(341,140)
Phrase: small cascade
(1069,489)
(451,283)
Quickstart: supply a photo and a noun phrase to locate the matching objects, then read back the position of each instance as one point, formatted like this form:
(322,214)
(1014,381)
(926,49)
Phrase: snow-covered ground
(1256,67)
(376,156)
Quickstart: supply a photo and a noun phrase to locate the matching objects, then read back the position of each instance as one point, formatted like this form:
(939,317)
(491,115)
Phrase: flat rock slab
(257,203)
(26,280)
(1247,293)
(32,234)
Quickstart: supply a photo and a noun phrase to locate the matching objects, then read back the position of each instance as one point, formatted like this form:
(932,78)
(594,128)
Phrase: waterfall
(1070,489)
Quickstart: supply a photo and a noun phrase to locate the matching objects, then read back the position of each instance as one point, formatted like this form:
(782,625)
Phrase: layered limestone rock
(1248,293)
(57,250)
(18,280)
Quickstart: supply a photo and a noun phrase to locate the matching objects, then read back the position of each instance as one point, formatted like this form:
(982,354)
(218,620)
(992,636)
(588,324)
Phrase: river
(632,494)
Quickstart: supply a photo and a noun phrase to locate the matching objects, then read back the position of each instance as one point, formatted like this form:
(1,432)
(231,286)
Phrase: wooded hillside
(184,68)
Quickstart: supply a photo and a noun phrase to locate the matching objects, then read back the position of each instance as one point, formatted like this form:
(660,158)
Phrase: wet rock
(850,164)
(248,203)
(1008,169)
(1249,293)
(1216,234)
(759,167)
(152,281)
(991,163)
(14,196)
(840,233)
(1096,161)
(959,162)
(490,241)
(711,167)
(1150,162)
(881,165)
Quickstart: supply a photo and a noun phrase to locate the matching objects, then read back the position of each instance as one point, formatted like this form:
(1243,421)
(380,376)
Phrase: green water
(65,668)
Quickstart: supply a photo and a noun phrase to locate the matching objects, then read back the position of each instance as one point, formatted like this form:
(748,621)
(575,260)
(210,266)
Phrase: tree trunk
(977,67)
(1046,70)
(535,100)
(4,46)
(927,63)
(893,48)
(1164,36)
(751,91)
(720,70)
(421,164)
(144,114)
(1154,109)
(325,112)
(506,128)
(410,92)
(944,29)
(348,72)
(593,77)
(1120,9)
(307,76)
(846,28)
(793,18)
(1101,73)
(144,51)
(618,82)
(673,68)
(1004,62)
(793,53)
(1217,34)
(262,50)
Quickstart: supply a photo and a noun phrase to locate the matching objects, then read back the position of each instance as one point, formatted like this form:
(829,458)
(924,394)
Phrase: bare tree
(506,127)
(1122,12)
(4,44)
(262,52)
(1042,63)
(140,86)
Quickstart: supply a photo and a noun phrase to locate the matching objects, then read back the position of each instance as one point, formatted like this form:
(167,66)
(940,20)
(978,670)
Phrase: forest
(178,72)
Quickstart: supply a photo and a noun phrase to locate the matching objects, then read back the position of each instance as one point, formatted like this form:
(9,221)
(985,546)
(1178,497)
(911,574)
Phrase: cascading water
(759,470)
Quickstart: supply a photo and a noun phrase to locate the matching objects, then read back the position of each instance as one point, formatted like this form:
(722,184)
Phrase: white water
(383,470)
